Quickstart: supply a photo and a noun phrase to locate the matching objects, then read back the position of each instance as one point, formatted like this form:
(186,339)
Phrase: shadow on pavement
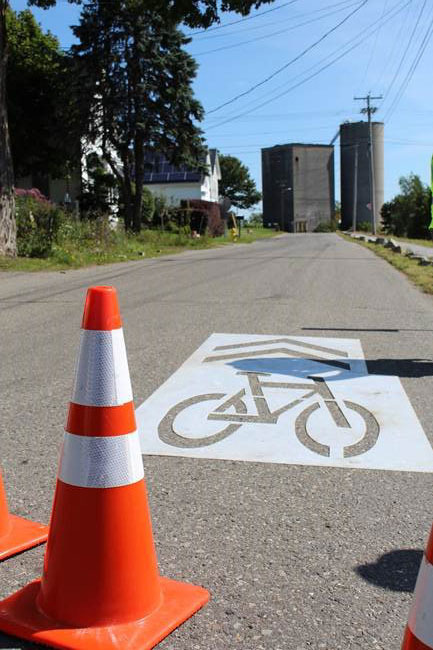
(10,643)
(396,570)
(401,367)
(304,367)
(365,329)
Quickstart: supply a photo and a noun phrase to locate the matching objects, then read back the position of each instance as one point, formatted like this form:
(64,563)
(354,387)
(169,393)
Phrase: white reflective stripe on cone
(101,462)
(420,616)
(102,373)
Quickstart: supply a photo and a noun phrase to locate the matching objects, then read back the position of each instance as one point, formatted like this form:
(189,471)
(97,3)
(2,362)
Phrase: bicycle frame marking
(264,414)
(168,434)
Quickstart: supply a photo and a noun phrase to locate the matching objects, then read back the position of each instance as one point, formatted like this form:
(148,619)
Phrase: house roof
(160,170)
(215,163)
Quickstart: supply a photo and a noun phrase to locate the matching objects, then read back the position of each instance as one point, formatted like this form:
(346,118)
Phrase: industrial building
(298,186)
(356,199)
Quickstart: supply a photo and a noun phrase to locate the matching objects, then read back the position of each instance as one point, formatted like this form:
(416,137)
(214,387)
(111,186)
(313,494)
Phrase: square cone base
(23,534)
(20,617)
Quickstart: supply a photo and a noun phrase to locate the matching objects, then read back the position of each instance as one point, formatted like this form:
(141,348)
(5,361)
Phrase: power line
(390,141)
(406,81)
(301,128)
(280,31)
(396,41)
(390,15)
(242,20)
(286,65)
(291,115)
(393,11)
(373,49)
(409,43)
(204,37)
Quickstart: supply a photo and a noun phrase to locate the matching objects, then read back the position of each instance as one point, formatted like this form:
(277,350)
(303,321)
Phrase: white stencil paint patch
(284,399)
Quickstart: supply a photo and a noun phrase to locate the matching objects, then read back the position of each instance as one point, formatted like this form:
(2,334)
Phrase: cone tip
(101,310)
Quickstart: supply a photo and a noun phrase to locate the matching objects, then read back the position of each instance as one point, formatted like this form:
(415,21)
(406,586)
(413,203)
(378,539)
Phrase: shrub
(160,213)
(408,213)
(95,233)
(255,220)
(33,193)
(364,226)
(38,222)
(147,207)
(326,226)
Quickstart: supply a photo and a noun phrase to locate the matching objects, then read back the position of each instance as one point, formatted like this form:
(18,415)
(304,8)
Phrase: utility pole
(355,189)
(369,109)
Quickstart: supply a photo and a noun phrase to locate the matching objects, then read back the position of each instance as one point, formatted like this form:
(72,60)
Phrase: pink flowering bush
(38,222)
(33,193)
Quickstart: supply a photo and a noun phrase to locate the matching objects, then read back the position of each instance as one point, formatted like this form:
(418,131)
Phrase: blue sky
(392,35)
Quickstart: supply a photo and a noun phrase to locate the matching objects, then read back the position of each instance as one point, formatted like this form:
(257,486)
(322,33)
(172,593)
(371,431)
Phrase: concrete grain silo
(298,186)
(354,139)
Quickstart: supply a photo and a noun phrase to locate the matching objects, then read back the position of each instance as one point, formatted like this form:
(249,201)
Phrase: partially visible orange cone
(17,534)
(419,630)
(100,588)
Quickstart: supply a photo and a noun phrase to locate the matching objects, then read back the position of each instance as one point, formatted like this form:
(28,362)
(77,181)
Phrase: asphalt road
(295,557)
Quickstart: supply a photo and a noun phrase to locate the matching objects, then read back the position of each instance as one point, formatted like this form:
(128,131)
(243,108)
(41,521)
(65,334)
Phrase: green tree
(136,87)
(408,213)
(194,13)
(255,219)
(38,78)
(236,183)
(99,186)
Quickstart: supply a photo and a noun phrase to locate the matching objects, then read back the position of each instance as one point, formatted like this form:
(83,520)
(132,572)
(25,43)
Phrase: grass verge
(421,276)
(420,242)
(73,252)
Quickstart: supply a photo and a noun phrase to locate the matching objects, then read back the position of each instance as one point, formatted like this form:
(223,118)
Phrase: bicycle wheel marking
(167,433)
(284,399)
(371,436)
(303,435)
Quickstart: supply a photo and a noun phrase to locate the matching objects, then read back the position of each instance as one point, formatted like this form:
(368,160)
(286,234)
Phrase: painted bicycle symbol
(327,425)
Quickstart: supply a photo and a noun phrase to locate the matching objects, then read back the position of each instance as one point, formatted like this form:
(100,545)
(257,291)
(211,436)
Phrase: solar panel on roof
(193,176)
(160,170)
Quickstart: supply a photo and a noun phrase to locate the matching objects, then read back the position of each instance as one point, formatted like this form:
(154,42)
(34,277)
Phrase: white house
(176,184)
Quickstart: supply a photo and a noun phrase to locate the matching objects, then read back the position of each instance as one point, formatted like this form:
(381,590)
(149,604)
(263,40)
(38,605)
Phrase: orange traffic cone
(17,534)
(100,587)
(419,630)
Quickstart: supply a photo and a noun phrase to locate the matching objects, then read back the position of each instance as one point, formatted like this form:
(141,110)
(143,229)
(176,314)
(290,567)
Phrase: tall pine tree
(135,88)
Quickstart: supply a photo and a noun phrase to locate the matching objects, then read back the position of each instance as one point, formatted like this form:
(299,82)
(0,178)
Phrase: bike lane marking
(284,399)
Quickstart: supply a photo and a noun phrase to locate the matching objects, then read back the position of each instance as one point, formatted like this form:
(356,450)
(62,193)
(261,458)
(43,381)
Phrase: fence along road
(295,556)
